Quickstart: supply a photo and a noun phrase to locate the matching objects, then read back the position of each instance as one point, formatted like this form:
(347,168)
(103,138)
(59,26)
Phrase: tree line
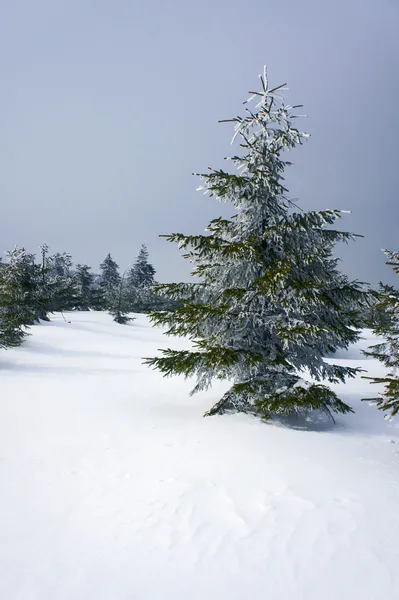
(31,289)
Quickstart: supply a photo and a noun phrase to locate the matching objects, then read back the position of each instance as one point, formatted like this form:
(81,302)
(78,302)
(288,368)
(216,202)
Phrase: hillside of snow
(113,486)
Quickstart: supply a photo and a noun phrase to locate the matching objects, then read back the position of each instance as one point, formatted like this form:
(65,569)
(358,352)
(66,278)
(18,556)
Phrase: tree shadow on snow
(316,421)
(365,421)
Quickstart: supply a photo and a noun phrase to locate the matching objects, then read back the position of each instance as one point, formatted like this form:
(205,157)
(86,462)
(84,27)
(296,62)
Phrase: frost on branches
(270,301)
(387,352)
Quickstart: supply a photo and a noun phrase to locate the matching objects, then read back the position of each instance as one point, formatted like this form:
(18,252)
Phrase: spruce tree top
(109,271)
(270,301)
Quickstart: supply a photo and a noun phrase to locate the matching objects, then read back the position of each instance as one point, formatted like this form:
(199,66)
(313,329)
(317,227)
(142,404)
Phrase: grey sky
(108,106)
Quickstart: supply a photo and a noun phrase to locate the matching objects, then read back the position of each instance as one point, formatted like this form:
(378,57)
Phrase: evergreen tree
(56,287)
(20,285)
(110,280)
(140,283)
(387,351)
(270,301)
(45,286)
(84,286)
(65,288)
(142,273)
(11,331)
(119,304)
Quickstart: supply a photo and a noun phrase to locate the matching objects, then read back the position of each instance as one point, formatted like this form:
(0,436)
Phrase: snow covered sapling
(119,303)
(387,351)
(270,301)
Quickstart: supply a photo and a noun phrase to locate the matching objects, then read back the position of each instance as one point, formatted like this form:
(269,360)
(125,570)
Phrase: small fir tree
(110,280)
(119,304)
(387,351)
(270,302)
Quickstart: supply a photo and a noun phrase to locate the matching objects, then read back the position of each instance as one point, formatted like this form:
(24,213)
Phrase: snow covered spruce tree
(387,351)
(46,284)
(110,280)
(140,282)
(56,290)
(270,301)
(84,282)
(12,332)
(119,304)
(65,290)
(21,288)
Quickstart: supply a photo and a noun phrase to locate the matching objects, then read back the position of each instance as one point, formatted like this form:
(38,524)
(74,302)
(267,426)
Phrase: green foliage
(295,400)
(30,290)
(387,352)
(388,400)
(21,287)
(11,334)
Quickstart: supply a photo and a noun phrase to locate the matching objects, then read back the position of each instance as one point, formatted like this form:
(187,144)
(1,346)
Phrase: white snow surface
(113,486)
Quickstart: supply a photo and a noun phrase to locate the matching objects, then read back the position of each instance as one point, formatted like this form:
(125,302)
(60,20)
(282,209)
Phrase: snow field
(114,488)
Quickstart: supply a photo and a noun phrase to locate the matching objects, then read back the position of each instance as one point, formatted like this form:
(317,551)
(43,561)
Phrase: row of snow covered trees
(30,290)
(270,302)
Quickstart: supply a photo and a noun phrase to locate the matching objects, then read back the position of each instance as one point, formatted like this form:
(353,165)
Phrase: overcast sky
(108,106)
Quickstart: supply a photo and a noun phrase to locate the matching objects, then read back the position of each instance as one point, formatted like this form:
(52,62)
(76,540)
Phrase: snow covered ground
(112,486)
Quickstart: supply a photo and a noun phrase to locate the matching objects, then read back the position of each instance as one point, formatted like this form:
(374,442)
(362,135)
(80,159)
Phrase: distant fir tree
(142,274)
(387,351)
(65,289)
(271,302)
(110,280)
(46,285)
(56,287)
(84,281)
(376,314)
(140,283)
(119,304)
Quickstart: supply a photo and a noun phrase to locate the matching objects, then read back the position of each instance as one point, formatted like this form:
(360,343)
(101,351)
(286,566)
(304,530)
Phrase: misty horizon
(108,110)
